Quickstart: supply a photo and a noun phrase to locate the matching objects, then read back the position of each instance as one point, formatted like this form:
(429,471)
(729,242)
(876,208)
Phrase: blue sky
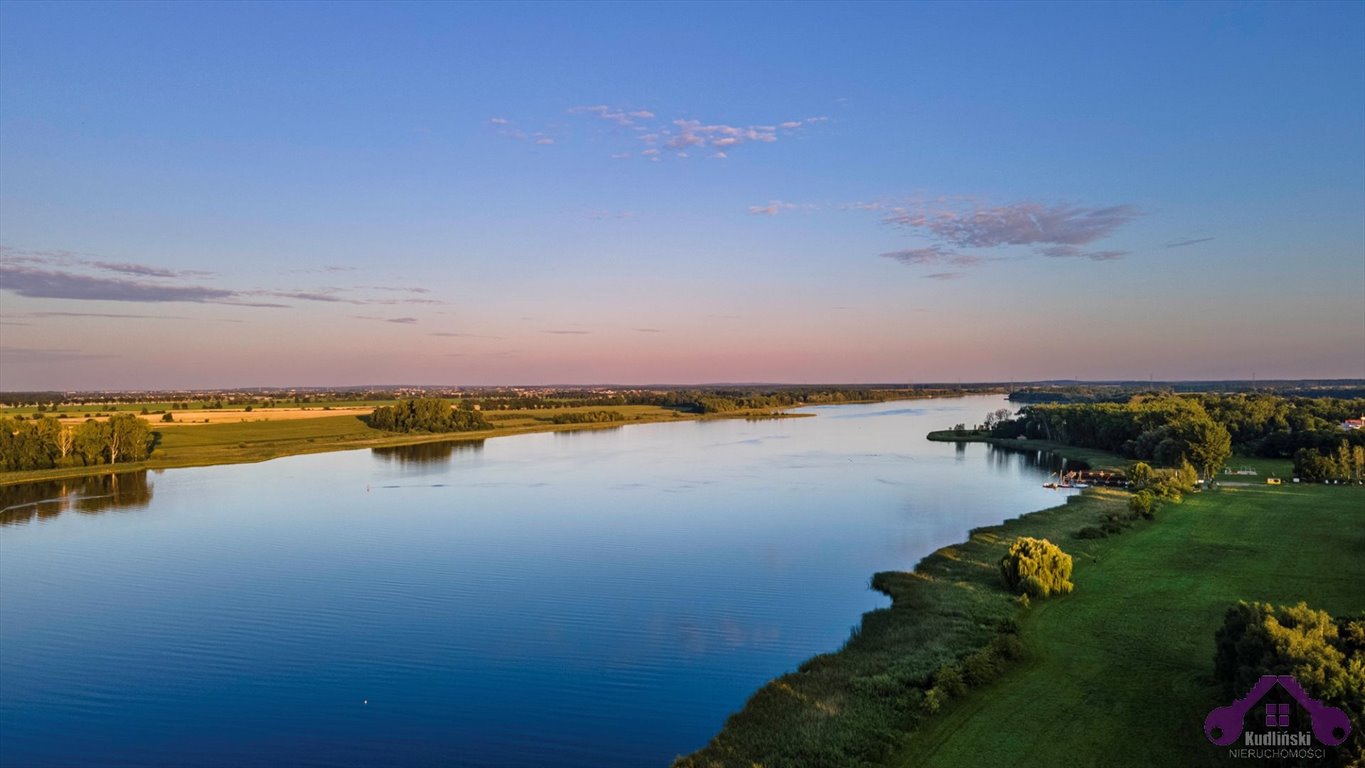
(272,194)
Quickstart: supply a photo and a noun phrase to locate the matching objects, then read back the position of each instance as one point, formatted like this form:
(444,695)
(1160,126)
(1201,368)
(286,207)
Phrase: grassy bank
(1120,672)
(853,707)
(1094,678)
(250,440)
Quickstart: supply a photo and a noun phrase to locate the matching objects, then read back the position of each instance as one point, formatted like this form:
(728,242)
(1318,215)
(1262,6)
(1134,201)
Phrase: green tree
(1207,446)
(128,438)
(1036,567)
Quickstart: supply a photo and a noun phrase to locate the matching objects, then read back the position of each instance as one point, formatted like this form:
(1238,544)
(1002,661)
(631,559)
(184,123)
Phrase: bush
(949,680)
(1143,504)
(1036,567)
(168,417)
(1091,532)
(933,700)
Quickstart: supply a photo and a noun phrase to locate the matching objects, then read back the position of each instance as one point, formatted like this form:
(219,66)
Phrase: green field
(1117,673)
(1120,672)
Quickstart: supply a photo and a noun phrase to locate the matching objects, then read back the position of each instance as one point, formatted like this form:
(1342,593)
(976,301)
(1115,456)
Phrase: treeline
(1344,465)
(1167,430)
(425,414)
(1203,429)
(1121,391)
(587,417)
(44,443)
(725,400)
(1326,655)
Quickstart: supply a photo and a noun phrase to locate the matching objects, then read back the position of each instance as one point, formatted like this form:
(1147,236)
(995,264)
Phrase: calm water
(598,598)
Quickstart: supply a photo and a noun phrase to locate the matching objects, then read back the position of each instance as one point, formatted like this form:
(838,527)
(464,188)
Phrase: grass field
(850,708)
(238,441)
(1120,672)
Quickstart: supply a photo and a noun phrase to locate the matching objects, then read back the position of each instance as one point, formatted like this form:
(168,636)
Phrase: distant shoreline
(256,441)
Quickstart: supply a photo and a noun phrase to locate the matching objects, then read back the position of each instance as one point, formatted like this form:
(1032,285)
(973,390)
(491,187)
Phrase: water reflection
(1034,458)
(576,431)
(426,454)
(47,499)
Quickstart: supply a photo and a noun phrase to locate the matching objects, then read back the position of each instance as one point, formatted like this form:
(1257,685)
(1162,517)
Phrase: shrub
(1036,567)
(1091,532)
(1143,504)
(1008,647)
(168,417)
(933,700)
(949,680)
(982,667)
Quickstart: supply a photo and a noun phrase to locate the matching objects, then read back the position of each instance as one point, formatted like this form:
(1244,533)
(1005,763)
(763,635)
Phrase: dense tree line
(45,443)
(1344,465)
(1325,655)
(1202,429)
(1167,430)
(425,414)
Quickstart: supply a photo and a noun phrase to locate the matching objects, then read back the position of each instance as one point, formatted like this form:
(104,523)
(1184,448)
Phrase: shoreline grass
(1120,672)
(855,706)
(1062,681)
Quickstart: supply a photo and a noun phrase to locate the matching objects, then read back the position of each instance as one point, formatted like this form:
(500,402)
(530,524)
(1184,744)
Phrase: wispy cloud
(510,130)
(648,330)
(952,225)
(681,135)
(620,117)
(325,296)
(57,284)
(933,255)
(488,355)
(68,259)
(775,207)
(398,289)
(399,320)
(453,335)
(110,315)
(771,209)
(1024,223)
(1072,252)
(567,333)
(1183,243)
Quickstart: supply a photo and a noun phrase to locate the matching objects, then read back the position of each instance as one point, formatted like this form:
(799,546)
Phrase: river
(594,598)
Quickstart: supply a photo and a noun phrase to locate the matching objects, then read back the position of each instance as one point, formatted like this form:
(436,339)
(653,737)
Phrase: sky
(198,195)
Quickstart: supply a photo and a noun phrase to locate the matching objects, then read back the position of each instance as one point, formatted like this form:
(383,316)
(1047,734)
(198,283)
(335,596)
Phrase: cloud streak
(57,284)
(681,135)
(933,255)
(1183,243)
(1022,223)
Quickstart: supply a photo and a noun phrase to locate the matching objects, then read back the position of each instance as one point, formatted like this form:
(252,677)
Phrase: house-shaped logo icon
(1224,725)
